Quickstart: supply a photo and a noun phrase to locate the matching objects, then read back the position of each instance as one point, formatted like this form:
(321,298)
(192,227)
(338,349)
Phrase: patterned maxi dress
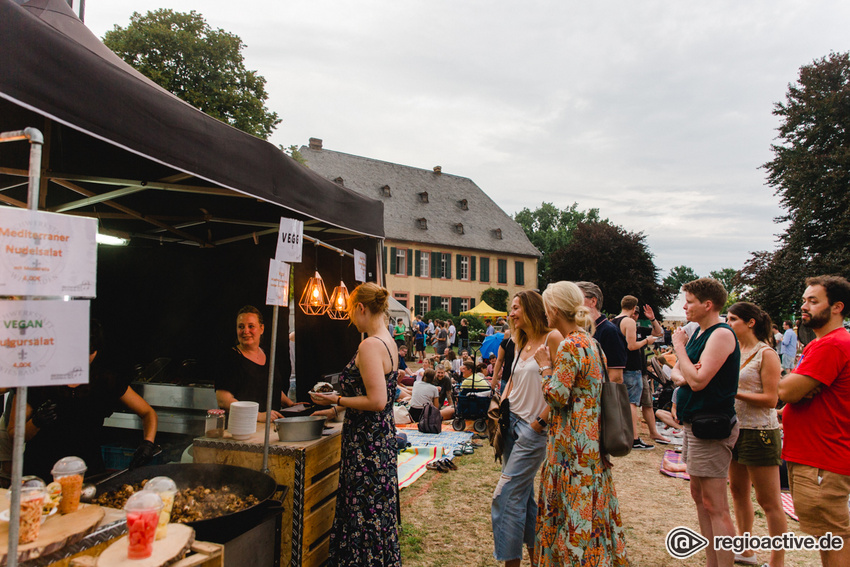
(365,525)
(578,519)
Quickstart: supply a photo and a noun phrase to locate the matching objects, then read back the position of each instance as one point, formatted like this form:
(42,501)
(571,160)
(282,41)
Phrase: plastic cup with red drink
(142,510)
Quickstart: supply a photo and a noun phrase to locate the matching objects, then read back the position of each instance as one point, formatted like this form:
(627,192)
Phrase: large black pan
(242,482)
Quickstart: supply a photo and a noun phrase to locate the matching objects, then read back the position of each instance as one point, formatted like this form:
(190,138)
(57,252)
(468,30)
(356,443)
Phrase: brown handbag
(499,419)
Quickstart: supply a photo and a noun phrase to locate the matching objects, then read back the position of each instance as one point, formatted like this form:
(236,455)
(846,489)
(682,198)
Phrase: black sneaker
(639,445)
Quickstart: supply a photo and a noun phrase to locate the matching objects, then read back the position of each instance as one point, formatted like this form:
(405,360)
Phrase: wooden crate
(311,471)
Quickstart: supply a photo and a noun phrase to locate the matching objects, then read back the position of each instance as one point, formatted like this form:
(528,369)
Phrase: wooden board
(165,551)
(56,532)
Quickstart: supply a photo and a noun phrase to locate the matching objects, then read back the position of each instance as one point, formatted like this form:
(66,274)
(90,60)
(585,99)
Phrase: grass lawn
(446,516)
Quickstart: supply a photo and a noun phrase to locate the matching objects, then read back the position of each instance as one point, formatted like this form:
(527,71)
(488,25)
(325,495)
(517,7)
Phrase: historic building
(446,240)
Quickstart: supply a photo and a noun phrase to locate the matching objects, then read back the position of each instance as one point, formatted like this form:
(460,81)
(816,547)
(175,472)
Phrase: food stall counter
(311,468)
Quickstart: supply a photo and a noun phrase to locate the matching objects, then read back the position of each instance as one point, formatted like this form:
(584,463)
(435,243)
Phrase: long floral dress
(365,526)
(578,519)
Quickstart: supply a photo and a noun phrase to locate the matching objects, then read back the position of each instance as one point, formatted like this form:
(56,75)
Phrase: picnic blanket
(788,505)
(448,440)
(673,457)
(412,461)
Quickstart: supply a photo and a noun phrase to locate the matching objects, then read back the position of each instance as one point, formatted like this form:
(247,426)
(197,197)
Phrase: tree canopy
(550,228)
(810,172)
(496,298)
(202,66)
(616,260)
(678,276)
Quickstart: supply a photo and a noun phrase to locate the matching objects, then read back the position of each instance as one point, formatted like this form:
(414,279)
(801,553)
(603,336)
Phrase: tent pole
(36,141)
(272,355)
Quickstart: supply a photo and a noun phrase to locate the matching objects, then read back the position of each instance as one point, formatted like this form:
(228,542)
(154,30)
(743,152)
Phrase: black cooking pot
(241,481)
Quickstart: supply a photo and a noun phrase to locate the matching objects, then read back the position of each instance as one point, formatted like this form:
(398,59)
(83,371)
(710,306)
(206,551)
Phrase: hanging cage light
(314,300)
(338,308)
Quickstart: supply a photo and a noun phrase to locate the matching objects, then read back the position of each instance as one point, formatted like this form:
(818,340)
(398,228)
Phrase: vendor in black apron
(244,369)
(67,421)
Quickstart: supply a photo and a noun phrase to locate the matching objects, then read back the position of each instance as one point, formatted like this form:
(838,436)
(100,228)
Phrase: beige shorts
(821,507)
(708,457)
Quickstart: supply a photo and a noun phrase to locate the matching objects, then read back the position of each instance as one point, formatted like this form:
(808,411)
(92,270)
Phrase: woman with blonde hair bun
(578,519)
(365,525)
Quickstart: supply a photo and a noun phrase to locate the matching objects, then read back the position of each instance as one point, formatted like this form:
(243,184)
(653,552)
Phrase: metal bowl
(304,428)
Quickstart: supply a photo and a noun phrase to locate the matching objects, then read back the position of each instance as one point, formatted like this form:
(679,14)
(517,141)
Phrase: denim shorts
(634,383)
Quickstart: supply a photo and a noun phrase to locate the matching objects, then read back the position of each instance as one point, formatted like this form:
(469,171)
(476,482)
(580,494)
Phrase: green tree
(616,260)
(496,298)
(202,66)
(550,228)
(810,172)
(679,276)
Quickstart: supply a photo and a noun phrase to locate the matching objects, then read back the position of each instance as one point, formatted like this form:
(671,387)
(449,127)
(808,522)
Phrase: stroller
(471,403)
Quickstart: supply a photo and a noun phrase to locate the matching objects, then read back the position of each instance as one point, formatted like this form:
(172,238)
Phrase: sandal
(458,451)
(436,466)
(449,464)
(468,449)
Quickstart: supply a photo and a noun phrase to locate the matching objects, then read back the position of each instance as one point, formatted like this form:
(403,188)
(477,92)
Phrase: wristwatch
(541,422)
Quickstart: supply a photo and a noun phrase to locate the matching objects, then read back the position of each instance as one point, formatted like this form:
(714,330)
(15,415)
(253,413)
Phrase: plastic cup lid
(69,465)
(143,500)
(160,484)
(29,493)
(32,481)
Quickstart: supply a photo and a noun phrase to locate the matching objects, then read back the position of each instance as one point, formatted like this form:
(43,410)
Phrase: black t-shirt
(78,431)
(613,342)
(463,332)
(247,380)
(508,346)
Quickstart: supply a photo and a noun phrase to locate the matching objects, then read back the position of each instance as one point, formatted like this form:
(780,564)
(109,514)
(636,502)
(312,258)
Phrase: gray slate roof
(443,211)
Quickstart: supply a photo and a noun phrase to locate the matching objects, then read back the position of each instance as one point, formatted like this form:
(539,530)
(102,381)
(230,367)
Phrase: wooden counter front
(309,468)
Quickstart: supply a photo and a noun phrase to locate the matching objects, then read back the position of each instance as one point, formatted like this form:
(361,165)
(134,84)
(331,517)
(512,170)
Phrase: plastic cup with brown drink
(68,472)
(166,489)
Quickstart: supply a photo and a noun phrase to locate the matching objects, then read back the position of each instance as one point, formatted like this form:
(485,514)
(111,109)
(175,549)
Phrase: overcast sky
(658,113)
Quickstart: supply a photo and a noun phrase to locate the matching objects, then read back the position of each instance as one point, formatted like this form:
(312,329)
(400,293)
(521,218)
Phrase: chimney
(315,143)
(438,169)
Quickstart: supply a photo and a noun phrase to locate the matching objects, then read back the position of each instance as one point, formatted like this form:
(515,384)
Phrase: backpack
(430,421)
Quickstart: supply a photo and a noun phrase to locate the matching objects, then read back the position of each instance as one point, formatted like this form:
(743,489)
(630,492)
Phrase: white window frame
(444,266)
(401,262)
(446,304)
(424,305)
(464,269)
(464,304)
(425,265)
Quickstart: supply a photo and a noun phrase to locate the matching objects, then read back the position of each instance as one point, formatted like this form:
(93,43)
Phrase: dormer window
(463,204)
(423,197)
(497,233)
(422,223)
(386,191)
(459,228)
(339,181)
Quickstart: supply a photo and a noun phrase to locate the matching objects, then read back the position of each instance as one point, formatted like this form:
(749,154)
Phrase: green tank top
(719,395)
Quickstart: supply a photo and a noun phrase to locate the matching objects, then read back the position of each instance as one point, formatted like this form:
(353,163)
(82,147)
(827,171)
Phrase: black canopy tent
(199,200)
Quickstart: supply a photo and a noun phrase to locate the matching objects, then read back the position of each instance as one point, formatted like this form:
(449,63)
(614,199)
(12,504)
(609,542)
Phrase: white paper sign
(359,266)
(290,238)
(47,254)
(44,343)
(277,290)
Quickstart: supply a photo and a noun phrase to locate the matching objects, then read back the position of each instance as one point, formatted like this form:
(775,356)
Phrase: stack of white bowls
(243,419)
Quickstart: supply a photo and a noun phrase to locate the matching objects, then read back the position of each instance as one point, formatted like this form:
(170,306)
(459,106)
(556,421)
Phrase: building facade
(446,240)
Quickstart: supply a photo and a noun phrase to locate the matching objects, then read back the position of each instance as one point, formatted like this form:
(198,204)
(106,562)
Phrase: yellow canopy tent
(483,310)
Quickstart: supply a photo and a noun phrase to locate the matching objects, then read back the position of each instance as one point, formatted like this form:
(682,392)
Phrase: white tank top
(526,395)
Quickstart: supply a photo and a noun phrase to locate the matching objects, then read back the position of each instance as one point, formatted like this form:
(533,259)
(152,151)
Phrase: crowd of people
(732,373)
